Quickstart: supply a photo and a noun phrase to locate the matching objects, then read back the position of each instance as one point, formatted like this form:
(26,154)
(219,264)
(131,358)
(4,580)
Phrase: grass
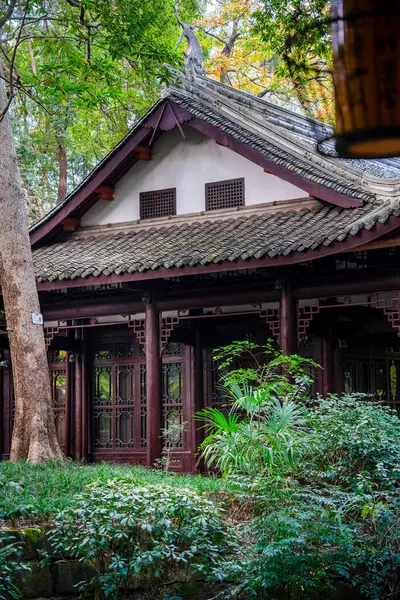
(51,488)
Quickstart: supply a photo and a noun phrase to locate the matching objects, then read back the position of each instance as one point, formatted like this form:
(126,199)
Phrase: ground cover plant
(158,537)
(38,492)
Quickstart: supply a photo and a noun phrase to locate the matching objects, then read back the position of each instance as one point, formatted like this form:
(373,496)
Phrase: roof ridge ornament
(193,64)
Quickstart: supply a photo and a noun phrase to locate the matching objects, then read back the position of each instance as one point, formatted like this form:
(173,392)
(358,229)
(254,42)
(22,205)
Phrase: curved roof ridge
(388,169)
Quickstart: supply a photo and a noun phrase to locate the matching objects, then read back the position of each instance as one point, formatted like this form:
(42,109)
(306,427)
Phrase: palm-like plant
(266,429)
(255,444)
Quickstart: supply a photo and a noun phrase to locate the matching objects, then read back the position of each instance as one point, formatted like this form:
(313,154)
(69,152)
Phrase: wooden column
(78,406)
(288,320)
(199,385)
(68,404)
(153,382)
(85,374)
(199,390)
(328,365)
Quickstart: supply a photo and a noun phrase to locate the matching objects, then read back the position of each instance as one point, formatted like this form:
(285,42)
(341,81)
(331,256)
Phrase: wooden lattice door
(118,401)
(60,386)
(173,394)
(178,405)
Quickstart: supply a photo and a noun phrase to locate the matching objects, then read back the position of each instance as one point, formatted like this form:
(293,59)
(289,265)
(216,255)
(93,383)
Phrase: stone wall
(48,576)
(53,577)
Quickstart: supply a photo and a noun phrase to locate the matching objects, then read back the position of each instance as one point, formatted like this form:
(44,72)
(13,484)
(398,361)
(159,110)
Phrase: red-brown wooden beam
(288,318)
(357,286)
(186,301)
(153,383)
(215,298)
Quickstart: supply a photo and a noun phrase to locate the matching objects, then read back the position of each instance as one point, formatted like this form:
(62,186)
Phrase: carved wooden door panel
(60,386)
(118,400)
(173,394)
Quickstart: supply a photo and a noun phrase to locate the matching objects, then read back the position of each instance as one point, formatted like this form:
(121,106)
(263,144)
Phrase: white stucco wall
(187,165)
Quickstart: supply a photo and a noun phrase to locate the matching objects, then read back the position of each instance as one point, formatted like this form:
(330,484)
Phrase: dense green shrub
(323,478)
(357,443)
(268,439)
(156,537)
(305,542)
(333,521)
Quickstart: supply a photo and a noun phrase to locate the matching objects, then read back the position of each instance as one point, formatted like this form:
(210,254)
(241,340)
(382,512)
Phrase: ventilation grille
(160,203)
(225,194)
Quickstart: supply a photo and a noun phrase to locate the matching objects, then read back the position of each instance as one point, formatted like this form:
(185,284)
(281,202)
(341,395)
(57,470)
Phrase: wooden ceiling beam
(377,244)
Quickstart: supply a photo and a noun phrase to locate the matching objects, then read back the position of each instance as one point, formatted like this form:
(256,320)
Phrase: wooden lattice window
(159,203)
(225,194)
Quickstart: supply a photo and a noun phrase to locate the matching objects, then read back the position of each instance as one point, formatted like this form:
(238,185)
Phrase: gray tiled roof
(286,138)
(201,242)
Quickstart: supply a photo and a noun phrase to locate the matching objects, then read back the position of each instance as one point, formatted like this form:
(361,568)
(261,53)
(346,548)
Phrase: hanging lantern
(366,46)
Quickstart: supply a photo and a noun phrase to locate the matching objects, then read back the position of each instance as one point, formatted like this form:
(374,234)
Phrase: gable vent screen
(225,194)
(160,203)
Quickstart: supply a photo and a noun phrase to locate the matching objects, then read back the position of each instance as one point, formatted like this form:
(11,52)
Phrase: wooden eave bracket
(143,152)
(105,192)
(71,223)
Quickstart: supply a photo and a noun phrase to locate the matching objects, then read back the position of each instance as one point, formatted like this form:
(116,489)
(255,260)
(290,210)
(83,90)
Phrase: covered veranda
(129,358)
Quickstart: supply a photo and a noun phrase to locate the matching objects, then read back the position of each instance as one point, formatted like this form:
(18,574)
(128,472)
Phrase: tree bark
(62,173)
(34,435)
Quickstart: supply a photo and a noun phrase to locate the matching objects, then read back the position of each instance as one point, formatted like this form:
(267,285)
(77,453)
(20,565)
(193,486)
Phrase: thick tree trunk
(34,434)
(62,173)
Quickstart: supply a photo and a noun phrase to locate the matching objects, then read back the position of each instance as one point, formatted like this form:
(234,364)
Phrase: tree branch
(12,61)
(7,15)
(211,34)
(29,42)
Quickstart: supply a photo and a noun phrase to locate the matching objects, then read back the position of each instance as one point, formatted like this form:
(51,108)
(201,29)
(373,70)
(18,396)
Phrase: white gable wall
(187,165)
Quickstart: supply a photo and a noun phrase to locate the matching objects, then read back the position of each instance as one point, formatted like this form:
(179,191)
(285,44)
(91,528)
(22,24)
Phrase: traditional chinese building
(213,220)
